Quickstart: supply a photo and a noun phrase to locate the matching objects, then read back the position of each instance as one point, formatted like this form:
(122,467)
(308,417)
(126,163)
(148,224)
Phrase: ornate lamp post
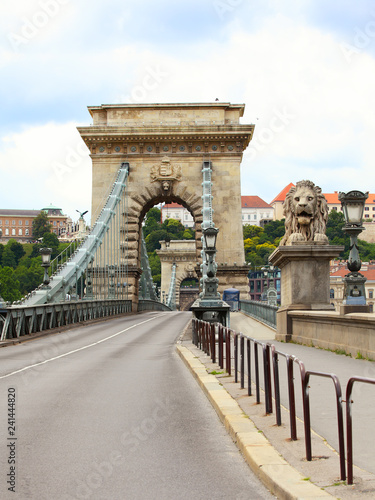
(209,307)
(46,262)
(353,204)
(270,291)
(211,282)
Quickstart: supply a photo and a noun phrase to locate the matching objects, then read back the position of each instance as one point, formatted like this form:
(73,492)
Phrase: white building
(178,212)
(255,211)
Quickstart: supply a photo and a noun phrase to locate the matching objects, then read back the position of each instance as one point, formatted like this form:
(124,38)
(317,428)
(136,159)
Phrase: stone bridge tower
(165,146)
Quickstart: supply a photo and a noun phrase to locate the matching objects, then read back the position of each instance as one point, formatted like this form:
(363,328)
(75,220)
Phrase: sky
(305,70)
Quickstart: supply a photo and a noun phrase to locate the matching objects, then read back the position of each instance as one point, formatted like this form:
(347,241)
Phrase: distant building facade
(255,211)
(178,212)
(339,270)
(18,224)
(259,284)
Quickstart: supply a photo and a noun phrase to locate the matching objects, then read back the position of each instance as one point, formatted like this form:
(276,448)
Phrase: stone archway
(165,146)
(184,254)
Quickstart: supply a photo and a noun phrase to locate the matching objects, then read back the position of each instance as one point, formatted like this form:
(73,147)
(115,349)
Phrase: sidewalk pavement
(285,470)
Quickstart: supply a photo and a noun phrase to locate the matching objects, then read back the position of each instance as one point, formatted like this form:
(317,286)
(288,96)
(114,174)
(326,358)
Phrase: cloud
(46,164)
(284,60)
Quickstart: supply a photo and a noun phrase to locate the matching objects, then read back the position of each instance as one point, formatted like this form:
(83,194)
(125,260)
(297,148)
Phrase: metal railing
(152,305)
(24,320)
(260,310)
(211,339)
(65,255)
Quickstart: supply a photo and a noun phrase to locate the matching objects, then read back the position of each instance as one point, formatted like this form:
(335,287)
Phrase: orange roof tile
(172,205)
(253,202)
(281,196)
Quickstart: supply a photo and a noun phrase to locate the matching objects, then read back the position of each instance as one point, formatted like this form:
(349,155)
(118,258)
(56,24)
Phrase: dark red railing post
(236,357)
(242,360)
(228,351)
(248,348)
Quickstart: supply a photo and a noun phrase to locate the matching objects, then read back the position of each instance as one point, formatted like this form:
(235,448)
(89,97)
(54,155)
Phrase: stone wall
(353,333)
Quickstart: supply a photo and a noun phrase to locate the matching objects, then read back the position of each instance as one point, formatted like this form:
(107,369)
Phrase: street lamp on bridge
(46,262)
(353,204)
(209,307)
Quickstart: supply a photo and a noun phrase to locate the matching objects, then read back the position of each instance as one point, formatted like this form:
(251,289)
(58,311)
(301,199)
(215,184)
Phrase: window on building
(367,216)
(6,232)
(20,222)
(54,223)
(13,222)
(20,232)
(1,222)
(334,208)
(371,308)
(13,232)
(367,209)
(26,232)
(6,222)
(371,294)
(26,222)
(255,216)
(332,293)
(249,217)
(55,231)
(373,209)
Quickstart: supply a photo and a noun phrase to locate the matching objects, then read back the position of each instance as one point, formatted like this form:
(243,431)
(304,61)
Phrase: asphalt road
(109,411)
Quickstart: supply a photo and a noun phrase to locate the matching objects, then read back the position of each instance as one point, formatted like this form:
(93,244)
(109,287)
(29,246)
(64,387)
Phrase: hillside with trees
(20,264)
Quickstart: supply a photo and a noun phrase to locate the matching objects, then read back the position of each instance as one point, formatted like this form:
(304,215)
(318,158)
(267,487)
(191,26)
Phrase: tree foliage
(9,285)
(41,225)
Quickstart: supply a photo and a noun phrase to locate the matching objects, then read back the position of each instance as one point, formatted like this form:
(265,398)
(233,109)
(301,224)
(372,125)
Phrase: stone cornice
(231,139)
(211,133)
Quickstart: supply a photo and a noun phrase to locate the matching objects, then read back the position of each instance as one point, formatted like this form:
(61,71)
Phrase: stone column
(305,279)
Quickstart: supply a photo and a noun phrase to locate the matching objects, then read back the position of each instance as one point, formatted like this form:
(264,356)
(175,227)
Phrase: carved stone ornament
(306,214)
(189,269)
(166,173)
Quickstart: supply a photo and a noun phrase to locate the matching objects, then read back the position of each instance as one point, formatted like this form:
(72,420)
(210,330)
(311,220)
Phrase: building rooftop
(253,202)
(283,193)
(172,205)
(20,213)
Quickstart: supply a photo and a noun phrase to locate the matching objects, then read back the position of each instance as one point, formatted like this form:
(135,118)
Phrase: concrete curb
(276,474)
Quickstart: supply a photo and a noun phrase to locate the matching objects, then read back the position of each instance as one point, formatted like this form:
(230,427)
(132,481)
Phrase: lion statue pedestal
(303,255)
(304,279)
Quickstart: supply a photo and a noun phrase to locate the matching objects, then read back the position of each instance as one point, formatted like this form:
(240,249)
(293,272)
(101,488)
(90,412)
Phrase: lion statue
(306,214)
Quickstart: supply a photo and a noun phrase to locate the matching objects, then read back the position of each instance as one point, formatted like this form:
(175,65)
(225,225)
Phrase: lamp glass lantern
(210,236)
(353,205)
(46,256)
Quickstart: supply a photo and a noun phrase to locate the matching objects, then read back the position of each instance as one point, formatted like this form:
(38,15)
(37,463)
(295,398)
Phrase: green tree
(335,234)
(9,285)
(251,231)
(8,258)
(155,266)
(50,240)
(29,277)
(17,249)
(41,225)
(174,228)
(273,231)
(152,240)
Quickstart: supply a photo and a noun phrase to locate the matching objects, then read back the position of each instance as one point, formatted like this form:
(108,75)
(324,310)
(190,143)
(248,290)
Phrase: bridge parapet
(350,333)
